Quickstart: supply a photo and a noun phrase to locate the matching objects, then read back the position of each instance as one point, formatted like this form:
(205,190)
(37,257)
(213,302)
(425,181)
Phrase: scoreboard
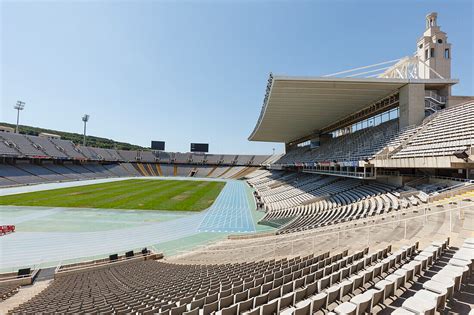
(158,145)
(200,147)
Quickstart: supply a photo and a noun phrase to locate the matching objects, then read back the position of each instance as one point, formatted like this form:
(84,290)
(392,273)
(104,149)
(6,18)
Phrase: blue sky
(196,71)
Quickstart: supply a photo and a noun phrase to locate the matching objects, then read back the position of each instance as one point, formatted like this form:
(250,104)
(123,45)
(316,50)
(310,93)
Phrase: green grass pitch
(176,195)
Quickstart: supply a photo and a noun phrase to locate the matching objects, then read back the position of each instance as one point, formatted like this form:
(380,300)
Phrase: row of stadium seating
(7,291)
(424,284)
(296,202)
(153,169)
(19,145)
(26,173)
(418,280)
(441,134)
(359,145)
(22,173)
(450,131)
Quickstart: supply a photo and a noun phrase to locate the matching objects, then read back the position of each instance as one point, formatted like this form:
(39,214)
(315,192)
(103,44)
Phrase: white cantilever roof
(296,107)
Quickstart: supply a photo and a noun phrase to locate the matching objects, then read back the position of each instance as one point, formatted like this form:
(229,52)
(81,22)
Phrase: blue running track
(231,212)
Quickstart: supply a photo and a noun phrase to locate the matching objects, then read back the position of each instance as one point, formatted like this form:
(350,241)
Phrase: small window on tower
(421,46)
(440,41)
(432,54)
(446,53)
(426,53)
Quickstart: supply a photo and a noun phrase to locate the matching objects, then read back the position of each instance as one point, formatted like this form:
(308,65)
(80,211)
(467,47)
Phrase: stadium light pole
(85,119)
(18,106)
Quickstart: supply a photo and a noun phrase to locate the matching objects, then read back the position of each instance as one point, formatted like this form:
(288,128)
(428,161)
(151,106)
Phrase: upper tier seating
(8,148)
(228,159)
(89,153)
(48,147)
(22,144)
(69,148)
(163,156)
(259,159)
(244,159)
(18,145)
(213,158)
(386,137)
(106,154)
(359,145)
(182,157)
(147,156)
(450,131)
(129,156)
(198,158)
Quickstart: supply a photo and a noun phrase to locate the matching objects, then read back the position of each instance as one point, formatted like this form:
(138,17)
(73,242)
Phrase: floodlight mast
(85,119)
(18,106)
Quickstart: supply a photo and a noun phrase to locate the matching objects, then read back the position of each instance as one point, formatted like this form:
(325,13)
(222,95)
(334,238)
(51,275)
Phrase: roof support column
(412,104)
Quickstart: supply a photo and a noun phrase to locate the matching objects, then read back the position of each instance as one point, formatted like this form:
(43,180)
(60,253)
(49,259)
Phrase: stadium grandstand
(370,209)
(35,159)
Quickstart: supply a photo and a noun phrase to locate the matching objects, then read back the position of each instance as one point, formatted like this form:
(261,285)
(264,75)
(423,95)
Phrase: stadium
(369,210)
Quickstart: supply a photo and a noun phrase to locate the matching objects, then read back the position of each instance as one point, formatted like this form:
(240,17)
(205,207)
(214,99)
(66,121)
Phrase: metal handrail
(313,233)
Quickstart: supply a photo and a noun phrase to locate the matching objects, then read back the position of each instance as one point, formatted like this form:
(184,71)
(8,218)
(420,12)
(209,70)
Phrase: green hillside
(77,138)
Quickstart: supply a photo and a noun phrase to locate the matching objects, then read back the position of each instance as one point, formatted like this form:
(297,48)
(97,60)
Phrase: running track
(231,212)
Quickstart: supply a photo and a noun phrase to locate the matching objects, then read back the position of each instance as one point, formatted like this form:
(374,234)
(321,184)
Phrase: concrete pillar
(412,104)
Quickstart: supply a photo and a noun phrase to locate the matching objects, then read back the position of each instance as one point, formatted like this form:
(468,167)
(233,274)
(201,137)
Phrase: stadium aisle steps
(141,169)
(158,169)
(242,173)
(46,274)
(212,171)
(225,172)
(151,170)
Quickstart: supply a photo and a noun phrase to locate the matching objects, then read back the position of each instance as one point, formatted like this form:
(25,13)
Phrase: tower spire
(434,51)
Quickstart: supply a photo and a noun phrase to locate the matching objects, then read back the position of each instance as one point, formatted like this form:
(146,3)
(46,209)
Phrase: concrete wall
(426,162)
(412,104)
(391,180)
(455,100)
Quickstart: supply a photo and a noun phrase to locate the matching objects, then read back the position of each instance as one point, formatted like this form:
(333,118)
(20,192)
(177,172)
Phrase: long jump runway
(230,213)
